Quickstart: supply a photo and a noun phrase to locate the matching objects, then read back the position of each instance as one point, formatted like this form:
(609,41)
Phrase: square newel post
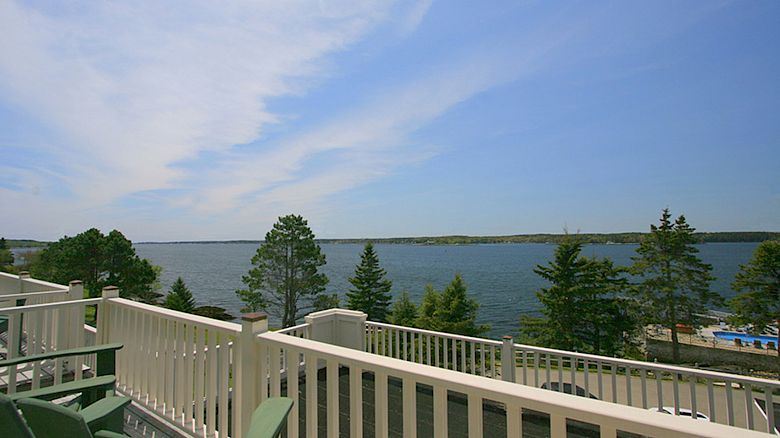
(346,328)
(245,379)
(103,334)
(508,359)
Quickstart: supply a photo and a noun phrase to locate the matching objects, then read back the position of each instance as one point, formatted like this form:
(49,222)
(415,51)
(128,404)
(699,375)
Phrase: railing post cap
(506,338)
(254,317)
(24,274)
(76,283)
(110,292)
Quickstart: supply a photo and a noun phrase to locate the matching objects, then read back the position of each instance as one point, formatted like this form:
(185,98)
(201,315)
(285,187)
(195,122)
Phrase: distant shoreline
(592,238)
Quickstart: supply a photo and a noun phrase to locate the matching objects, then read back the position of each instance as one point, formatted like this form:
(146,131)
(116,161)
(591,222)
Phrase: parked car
(683,412)
(555,386)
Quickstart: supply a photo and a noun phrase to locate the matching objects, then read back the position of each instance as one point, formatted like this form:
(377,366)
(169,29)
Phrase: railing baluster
(514,420)
(659,389)
(614,367)
(482,361)
(463,356)
(573,372)
(380,404)
(355,403)
(600,382)
(179,382)
(557,426)
(427,349)
(311,395)
(585,370)
(293,363)
(199,377)
(475,416)
(436,348)
(676,393)
(730,404)
(410,408)
(536,369)
(273,370)
(473,357)
(420,348)
(405,344)
(332,384)
(224,378)
(493,361)
(189,373)
(643,379)
(770,412)
(694,407)
(748,407)
(711,401)
(440,412)
(629,397)
(547,370)
(211,388)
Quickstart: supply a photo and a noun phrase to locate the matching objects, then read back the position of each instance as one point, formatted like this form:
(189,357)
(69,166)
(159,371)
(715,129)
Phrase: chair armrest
(61,353)
(269,418)
(103,407)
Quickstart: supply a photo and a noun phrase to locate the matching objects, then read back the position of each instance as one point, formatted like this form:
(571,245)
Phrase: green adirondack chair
(48,420)
(269,418)
(91,389)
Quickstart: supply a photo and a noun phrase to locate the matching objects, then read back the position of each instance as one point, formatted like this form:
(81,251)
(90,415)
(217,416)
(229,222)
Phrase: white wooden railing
(176,364)
(561,408)
(39,328)
(443,350)
(729,398)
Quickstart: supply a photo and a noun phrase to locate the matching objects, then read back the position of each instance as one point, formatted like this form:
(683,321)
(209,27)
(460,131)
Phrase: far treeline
(586,238)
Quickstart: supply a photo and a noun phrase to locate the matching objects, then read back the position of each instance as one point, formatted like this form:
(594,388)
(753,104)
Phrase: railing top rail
(293,328)
(186,318)
(629,419)
(34,307)
(433,333)
(33,294)
(35,281)
(655,366)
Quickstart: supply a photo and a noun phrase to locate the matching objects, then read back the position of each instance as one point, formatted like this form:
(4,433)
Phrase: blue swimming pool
(748,339)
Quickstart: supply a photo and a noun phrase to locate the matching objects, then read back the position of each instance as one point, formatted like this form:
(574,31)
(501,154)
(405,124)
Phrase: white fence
(207,376)
(725,398)
(54,322)
(176,364)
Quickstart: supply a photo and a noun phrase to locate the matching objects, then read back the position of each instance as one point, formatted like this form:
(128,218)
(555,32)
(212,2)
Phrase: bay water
(500,277)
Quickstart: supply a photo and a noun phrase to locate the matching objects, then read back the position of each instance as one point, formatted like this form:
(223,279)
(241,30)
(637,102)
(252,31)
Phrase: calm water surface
(499,277)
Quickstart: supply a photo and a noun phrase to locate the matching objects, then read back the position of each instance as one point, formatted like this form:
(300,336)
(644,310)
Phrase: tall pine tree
(674,283)
(284,278)
(584,308)
(180,298)
(371,292)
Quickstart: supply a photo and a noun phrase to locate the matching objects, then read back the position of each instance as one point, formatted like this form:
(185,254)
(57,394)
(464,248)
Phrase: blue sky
(203,121)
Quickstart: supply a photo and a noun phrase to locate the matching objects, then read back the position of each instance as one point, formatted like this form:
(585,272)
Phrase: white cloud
(136,87)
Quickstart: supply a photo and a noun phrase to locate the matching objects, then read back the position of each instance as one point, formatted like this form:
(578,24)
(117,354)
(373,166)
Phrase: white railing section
(177,364)
(594,373)
(39,328)
(443,350)
(725,398)
(561,408)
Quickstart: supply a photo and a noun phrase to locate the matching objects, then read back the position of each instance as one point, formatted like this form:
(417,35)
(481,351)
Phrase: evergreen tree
(675,283)
(180,298)
(371,293)
(404,311)
(450,311)
(6,257)
(98,260)
(284,280)
(583,309)
(325,302)
(759,284)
